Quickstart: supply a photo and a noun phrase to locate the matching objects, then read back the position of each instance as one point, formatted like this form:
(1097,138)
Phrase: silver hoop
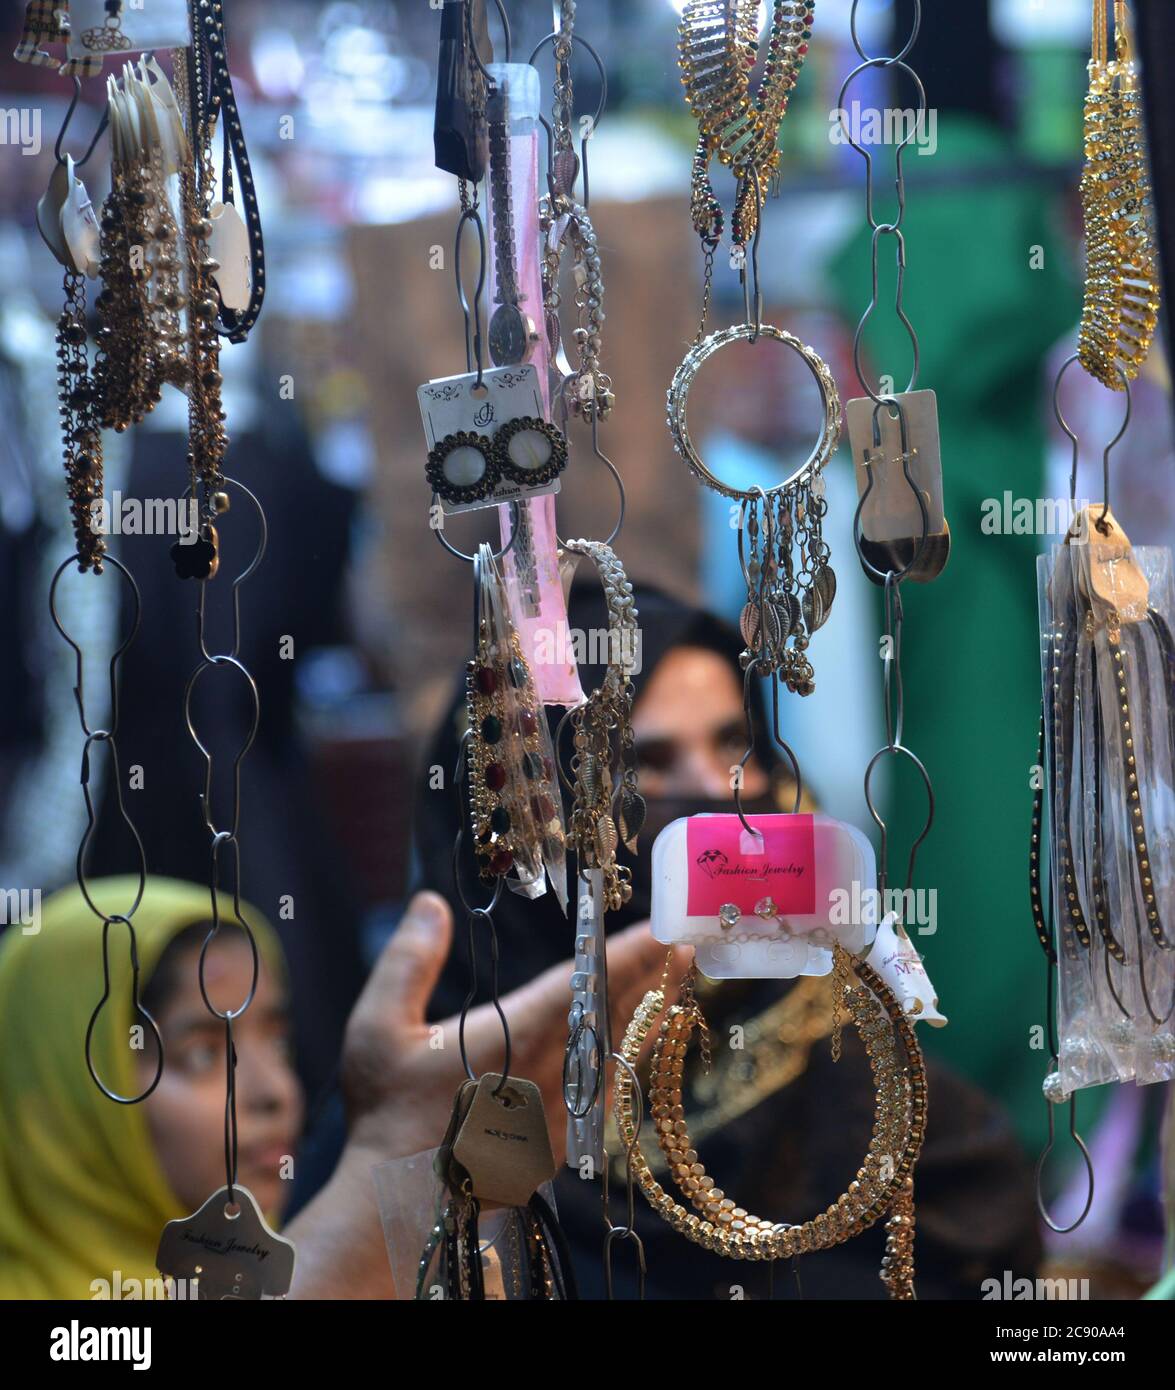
(683,379)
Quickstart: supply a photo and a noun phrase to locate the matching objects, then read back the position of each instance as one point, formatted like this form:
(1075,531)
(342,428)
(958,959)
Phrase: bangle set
(884,1182)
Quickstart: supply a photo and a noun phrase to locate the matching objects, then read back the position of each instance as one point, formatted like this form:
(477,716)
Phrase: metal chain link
(106,737)
(893,228)
(226,837)
(893,690)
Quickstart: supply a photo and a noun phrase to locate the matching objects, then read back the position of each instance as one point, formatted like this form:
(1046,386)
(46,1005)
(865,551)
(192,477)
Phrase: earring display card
(765,906)
(892,512)
(227,1254)
(135,27)
(452,404)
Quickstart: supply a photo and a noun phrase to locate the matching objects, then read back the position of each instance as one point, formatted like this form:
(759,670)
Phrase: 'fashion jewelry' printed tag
(892,512)
(897,961)
(493,466)
(504,1145)
(228,1256)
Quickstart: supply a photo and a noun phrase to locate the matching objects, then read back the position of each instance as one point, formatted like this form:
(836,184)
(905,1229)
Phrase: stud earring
(530,451)
(463,467)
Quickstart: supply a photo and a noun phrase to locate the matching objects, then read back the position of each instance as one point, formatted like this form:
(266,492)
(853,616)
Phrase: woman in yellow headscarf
(86,1184)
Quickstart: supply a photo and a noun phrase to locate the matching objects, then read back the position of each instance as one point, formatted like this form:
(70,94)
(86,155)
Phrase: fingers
(398,990)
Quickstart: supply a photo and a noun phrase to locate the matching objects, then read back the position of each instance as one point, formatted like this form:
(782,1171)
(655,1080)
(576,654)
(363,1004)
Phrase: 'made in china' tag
(504,1145)
(228,1256)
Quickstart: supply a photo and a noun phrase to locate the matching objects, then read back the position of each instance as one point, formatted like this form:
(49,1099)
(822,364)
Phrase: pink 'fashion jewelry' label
(727,865)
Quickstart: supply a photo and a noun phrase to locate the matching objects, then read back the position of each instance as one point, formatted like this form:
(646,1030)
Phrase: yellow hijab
(82,1193)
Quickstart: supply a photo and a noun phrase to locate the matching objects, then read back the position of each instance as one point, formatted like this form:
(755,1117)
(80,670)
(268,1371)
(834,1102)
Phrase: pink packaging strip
(531,566)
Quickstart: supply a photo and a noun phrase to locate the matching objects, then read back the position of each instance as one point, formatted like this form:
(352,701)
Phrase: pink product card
(727,865)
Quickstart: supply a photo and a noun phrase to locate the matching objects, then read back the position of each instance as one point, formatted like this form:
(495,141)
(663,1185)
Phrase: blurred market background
(337,101)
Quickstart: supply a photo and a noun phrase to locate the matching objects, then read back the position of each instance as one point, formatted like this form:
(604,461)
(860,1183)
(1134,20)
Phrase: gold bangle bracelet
(884,1182)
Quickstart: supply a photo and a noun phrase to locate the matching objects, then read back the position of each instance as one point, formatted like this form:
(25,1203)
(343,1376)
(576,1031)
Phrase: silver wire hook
(102,124)
(1064,424)
(1048,1148)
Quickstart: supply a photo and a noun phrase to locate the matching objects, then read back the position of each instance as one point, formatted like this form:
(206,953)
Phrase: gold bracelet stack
(717,46)
(1121,306)
(884,1182)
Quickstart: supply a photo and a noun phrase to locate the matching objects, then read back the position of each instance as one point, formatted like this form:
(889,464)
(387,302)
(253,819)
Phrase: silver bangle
(678,395)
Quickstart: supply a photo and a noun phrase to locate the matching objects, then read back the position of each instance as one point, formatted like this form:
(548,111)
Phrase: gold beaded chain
(1121,303)
(884,1182)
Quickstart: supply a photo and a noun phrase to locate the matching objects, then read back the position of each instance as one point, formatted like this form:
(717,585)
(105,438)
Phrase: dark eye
(731,737)
(197,1058)
(656,754)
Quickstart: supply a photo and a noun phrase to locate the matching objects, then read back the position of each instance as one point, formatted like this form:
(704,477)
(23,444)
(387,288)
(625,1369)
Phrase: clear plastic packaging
(1108,665)
(411,1200)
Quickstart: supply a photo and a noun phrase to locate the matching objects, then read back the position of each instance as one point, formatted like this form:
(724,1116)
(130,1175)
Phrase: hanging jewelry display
(208,1240)
(607,809)
(785,560)
(1121,303)
(66,222)
(474,1168)
(1108,661)
(1106,753)
(892,436)
(142,340)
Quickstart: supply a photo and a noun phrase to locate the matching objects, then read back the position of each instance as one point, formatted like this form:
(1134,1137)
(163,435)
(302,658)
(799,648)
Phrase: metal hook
(909,42)
(102,124)
(1064,424)
(471,214)
(560,403)
(137,1008)
(751,288)
(1048,1148)
(588,131)
(439,532)
(473,53)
